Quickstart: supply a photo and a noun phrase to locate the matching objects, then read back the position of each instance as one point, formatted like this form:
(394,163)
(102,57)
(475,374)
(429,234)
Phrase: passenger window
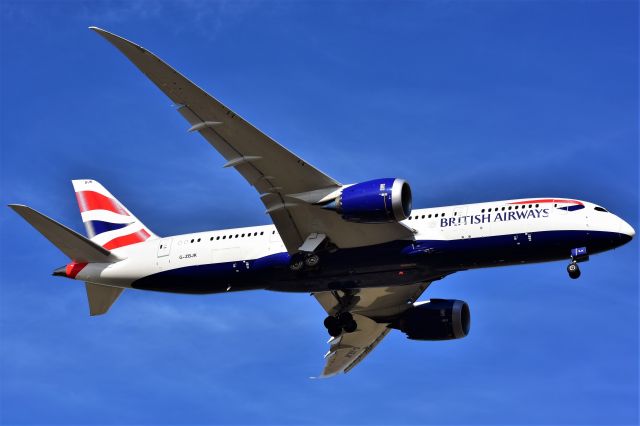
(192,240)
(261,232)
(423,216)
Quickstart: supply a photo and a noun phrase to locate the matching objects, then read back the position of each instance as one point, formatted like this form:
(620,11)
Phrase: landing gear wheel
(573,270)
(331,322)
(350,327)
(312,260)
(346,321)
(342,322)
(335,331)
(344,318)
(296,265)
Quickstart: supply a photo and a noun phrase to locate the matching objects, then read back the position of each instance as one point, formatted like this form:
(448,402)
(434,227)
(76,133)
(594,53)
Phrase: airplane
(361,249)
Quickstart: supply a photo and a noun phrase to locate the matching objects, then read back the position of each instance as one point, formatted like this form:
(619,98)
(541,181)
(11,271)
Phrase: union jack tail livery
(108,223)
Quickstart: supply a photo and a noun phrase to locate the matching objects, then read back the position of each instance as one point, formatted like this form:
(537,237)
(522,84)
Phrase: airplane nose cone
(627,232)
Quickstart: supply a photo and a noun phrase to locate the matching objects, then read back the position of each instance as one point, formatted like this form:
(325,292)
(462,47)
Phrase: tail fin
(108,222)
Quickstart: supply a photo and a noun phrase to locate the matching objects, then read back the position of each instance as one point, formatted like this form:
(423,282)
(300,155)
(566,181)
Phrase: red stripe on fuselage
(91,200)
(126,240)
(549,200)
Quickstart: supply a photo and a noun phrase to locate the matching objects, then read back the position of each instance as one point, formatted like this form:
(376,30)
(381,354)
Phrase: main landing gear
(339,323)
(300,261)
(577,255)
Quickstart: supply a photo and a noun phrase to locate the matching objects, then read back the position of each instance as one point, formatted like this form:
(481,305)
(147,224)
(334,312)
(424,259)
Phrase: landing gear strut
(339,323)
(577,255)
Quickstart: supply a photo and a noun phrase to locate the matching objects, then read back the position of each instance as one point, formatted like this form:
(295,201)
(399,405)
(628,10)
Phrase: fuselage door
(460,211)
(164,247)
(460,222)
(275,242)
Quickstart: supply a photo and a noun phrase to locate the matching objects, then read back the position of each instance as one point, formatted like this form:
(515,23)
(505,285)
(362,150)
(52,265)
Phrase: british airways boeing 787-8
(360,249)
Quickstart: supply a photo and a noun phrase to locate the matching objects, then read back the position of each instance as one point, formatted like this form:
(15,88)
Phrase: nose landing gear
(573,270)
(577,255)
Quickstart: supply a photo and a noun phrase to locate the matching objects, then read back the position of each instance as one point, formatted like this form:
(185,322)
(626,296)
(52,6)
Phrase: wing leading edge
(278,175)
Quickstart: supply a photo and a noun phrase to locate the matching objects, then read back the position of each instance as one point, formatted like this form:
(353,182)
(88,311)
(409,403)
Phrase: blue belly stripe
(378,265)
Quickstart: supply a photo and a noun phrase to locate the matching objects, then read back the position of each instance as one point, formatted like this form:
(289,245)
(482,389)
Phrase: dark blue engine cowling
(375,201)
(438,319)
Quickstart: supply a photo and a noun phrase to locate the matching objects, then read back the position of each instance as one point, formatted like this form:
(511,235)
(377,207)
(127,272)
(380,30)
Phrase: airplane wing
(276,173)
(369,308)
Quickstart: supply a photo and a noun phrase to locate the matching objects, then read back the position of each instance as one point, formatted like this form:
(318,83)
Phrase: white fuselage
(523,219)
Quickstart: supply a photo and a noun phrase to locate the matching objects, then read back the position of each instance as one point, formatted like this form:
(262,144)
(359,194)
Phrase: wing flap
(371,308)
(348,349)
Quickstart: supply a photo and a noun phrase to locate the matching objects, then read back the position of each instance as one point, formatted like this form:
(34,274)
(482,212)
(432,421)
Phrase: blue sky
(468,100)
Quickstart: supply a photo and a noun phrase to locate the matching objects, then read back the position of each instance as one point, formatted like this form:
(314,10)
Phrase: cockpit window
(572,208)
(600,209)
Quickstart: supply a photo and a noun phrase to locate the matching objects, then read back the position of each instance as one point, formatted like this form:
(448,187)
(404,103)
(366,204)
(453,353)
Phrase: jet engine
(437,319)
(374,201)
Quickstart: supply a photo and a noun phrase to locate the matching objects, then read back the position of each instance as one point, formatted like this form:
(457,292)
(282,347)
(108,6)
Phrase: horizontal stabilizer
(101,297)
(74,245)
